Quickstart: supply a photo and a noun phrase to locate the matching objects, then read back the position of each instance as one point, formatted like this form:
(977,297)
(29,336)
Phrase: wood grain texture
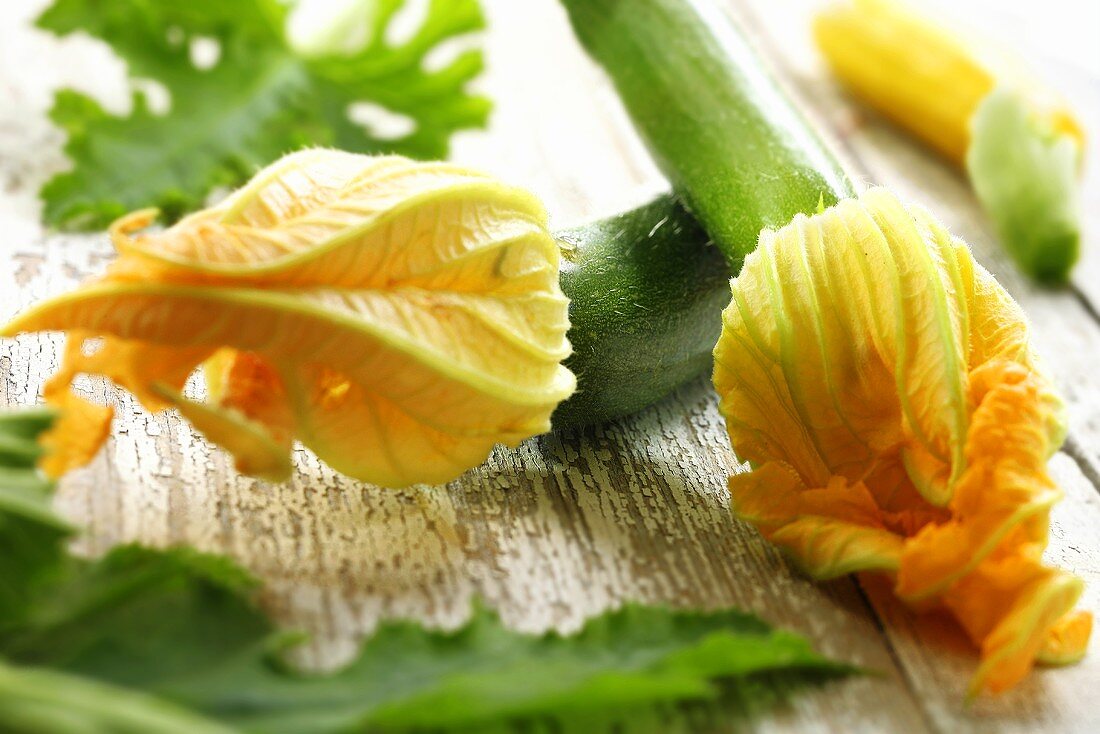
(565,526)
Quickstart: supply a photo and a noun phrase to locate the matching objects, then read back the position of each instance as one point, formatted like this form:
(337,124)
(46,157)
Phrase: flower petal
(247,413)
(1005,494)
(401,318)
(828,532)
(82,427)
(1010,608)
(883,387)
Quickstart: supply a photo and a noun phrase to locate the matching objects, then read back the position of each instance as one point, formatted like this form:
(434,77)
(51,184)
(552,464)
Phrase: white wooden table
(564,527)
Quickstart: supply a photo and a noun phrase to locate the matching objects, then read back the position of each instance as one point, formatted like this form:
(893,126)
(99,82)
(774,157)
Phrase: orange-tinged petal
(1067,640)
(828,532)
(76,436)
(82,427)
(354,428)
(247,413)
(766,496)
(253,387)
(825,548)
(883,386)
(1009,608)
(429,291)
(255,451)
(1004,489)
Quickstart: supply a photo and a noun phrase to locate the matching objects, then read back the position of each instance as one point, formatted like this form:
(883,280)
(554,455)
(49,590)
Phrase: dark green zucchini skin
(732,144)
(647,299)
(646,290)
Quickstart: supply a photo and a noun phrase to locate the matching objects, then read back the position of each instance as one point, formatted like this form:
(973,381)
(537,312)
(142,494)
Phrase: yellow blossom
(883,388)
(398,318)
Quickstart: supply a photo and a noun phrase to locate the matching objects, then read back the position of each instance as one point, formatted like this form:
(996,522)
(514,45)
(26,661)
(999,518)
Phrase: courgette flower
(398,318)
(882,386)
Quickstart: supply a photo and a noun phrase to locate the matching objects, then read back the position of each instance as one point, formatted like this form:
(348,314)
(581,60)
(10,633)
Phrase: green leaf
(36,701)
(140,616)
(170,641)
(19,449)
(177,625)
(411,678)
(31,535)
(1025,175)
(259,100)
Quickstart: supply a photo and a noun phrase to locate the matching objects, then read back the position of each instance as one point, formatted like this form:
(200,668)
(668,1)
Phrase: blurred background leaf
(239,95)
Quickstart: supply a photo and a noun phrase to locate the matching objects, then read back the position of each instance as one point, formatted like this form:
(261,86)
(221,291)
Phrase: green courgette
(730,141)
(647,291)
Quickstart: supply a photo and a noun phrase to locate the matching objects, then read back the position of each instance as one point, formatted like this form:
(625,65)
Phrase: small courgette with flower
(400,319)
(879,382)
(1018,141)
